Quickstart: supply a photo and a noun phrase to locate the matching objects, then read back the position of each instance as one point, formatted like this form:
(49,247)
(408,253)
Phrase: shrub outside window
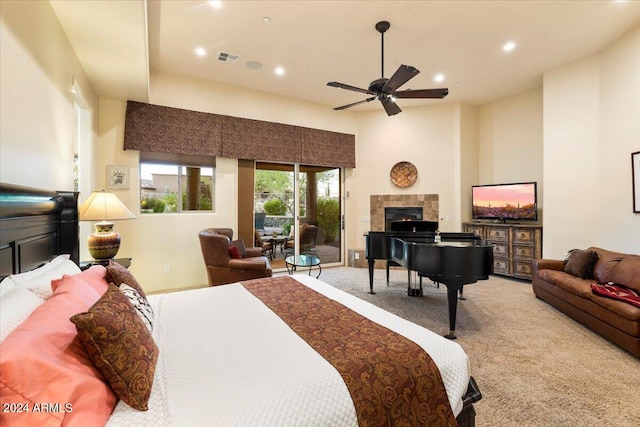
(166,188)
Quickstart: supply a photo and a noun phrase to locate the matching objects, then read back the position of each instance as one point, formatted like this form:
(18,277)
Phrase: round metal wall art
(403,174)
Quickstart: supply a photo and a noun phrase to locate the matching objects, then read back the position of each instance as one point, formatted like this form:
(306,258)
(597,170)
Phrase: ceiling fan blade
(403,74)
(355,103)
(422,93)
(349,87)
(390,107)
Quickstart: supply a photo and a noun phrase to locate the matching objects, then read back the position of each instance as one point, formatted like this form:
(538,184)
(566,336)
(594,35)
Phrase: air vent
(227,57)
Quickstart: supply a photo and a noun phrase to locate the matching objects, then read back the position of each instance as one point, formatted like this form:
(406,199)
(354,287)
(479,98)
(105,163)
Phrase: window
(171,188)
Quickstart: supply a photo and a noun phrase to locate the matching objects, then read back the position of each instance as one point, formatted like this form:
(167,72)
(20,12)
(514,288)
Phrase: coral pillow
(43,361)
(234,252)
(96,277)
(120,345)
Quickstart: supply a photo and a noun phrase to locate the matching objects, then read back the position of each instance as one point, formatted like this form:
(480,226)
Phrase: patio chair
(267,247)
(307,235)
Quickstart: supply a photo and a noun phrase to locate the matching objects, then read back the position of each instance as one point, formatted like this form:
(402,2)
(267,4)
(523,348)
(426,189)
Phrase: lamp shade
(104,206)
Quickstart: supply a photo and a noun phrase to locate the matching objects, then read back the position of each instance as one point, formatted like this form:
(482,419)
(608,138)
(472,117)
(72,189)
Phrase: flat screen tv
(517,201)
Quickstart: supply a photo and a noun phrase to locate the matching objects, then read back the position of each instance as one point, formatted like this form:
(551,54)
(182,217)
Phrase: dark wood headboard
(35,226)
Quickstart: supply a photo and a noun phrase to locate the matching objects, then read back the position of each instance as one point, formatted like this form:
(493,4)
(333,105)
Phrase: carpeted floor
(534,365)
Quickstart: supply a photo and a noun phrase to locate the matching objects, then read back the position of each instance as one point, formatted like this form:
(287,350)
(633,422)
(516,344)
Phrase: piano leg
(387,272)
(452,300)
(461,297)
(411,291)
(371,263)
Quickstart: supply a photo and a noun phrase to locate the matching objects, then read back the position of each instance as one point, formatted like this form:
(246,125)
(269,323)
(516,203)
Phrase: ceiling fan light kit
(385,90)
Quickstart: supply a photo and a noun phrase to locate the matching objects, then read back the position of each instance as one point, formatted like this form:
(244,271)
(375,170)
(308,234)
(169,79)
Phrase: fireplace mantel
(429,203)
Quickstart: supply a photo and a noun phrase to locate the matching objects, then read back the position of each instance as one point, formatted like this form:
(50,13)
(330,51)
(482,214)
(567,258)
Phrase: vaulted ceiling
(120,42)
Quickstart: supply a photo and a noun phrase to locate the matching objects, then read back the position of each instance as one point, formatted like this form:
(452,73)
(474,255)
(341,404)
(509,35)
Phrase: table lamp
(104,206)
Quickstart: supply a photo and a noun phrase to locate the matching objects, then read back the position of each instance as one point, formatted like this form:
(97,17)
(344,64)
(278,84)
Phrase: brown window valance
(156,128)
(161,129)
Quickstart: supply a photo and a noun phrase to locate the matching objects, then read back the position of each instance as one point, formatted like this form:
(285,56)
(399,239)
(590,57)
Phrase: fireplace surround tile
(377,203)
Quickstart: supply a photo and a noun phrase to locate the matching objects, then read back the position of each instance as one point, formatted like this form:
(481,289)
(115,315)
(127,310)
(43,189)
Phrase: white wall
(37,70)
(591,127)
(424,136)
(469,153)
(155,242)
(511,140)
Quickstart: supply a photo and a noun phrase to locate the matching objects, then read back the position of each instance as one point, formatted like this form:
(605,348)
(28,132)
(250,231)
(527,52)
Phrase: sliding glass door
(288,199)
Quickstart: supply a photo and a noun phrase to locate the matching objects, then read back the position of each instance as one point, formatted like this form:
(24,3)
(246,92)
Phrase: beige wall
(171,240)
(591,127)
(469,152)
(432,138)
(37,70)
(511,141)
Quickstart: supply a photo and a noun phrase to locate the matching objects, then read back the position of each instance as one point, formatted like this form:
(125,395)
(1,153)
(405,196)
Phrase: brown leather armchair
(221,268)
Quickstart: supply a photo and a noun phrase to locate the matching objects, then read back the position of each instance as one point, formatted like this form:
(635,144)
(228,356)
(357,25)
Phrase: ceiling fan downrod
(382,27)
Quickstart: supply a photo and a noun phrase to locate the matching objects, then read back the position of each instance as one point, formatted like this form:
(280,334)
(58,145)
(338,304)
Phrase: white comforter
(227,360)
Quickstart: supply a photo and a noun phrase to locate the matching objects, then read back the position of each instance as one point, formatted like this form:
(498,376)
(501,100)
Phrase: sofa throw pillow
(120,346)
(580,263)
(234,252)
(239,244)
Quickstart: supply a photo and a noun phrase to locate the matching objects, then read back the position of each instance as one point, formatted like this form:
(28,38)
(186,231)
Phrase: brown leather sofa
(221,267)
(615,320)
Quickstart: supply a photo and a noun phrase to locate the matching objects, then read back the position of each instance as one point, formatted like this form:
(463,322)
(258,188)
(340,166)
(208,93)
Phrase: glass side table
(292,262)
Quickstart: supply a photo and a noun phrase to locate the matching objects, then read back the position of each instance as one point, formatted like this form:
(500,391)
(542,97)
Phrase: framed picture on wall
(117,177)
(635,177)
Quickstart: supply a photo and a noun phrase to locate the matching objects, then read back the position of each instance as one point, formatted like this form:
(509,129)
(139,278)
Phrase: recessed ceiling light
(266,19)
(200,51)
(253,65)
(279,71)
(438,77)
(216,4)
(508,46)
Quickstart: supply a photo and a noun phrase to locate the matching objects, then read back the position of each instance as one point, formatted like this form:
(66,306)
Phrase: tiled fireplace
(378,203)
(427,202)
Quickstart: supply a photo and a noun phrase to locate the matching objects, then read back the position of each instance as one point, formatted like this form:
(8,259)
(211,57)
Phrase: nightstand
(125,262)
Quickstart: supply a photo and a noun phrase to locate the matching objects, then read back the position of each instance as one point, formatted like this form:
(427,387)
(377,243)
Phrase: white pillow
(15,306)
(6,285)
(39,280)
(141,305)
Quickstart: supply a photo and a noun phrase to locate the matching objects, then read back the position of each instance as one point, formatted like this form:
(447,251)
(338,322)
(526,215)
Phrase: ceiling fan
(385,90)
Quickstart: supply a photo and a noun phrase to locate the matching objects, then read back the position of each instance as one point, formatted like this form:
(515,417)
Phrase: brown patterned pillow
(120,346)
(580,263)
(119,275)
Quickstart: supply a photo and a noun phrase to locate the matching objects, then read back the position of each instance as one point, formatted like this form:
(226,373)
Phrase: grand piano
(453,259)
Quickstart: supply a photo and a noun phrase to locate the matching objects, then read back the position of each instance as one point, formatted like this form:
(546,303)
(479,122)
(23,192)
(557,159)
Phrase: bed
(262,352)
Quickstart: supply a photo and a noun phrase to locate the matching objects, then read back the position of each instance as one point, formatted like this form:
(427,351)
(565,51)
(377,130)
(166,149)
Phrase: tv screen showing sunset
(507,201)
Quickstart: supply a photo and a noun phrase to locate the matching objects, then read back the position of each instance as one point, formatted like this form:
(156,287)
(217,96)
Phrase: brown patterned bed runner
(392,380)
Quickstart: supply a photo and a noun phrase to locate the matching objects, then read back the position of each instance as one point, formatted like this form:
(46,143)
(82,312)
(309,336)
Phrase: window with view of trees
(166,188)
